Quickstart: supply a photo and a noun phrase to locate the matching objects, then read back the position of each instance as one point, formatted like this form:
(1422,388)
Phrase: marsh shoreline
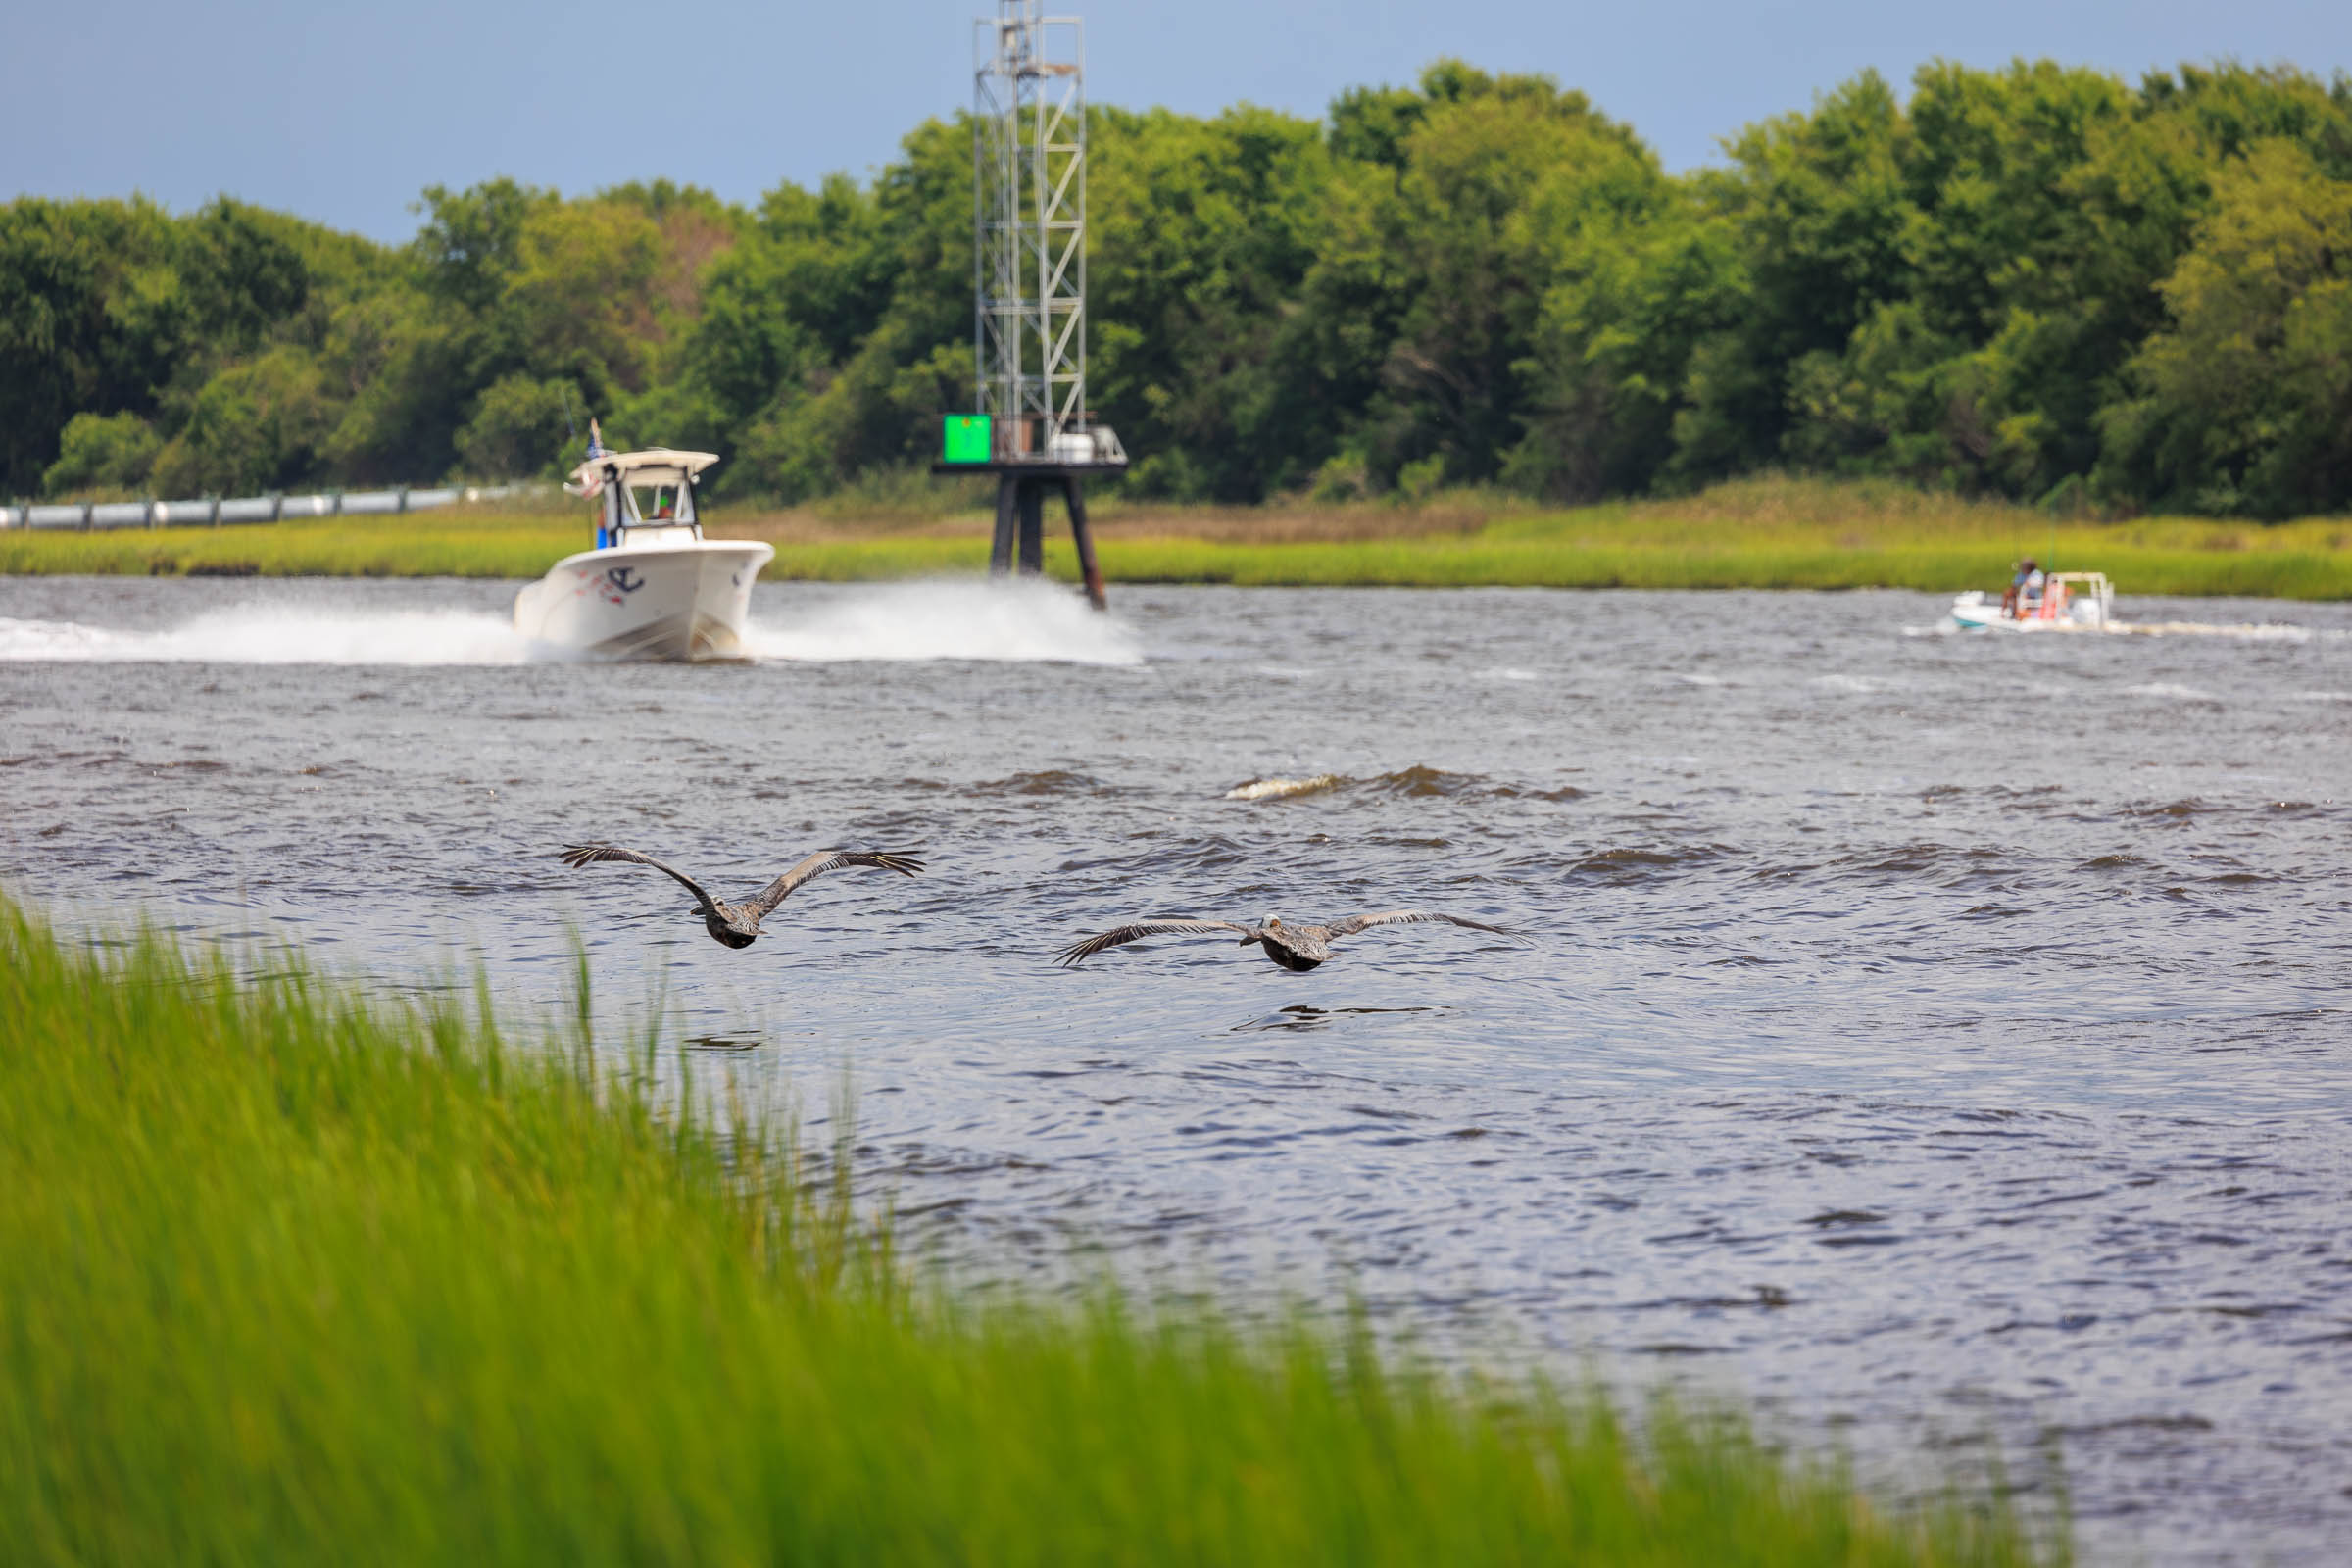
(1767,534)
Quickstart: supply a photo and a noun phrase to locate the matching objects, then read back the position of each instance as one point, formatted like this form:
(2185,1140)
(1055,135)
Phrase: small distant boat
(2069,601)
(653,587)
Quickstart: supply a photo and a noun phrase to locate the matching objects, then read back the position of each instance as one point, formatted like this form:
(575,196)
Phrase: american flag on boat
(595,480)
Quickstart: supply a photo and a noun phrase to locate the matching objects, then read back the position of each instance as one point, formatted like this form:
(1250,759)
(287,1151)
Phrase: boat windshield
(662,504)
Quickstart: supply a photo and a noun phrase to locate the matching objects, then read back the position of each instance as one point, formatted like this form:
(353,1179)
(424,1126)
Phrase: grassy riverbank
(1765,533)
(286,1278)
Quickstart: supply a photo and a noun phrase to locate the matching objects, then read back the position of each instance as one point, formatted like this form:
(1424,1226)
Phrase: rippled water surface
(1944,1042)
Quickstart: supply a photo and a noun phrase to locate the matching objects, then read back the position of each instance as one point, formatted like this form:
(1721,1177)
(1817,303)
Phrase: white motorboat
(2068,601)
(653,587)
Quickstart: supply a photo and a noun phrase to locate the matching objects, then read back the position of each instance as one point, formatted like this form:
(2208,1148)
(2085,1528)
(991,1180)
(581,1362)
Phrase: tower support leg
(1019,543)
(1073,494)
(1032,527)
(1000,551)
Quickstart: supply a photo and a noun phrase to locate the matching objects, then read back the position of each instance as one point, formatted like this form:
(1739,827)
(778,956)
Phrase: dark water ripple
(1944,1043)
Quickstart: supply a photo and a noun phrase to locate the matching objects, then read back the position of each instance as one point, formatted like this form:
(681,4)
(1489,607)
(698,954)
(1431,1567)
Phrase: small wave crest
(1416,782)
(1406,781)
(2171,691)
(1630,865)
(2173,810)
(1425,781)
(1283,789)
(1053,781)
(263,636)
(1015,621)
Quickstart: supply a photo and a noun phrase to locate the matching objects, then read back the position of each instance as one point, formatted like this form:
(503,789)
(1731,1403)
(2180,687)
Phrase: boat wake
(2248,631)
(257,636)
(1020,622)
(2253,631)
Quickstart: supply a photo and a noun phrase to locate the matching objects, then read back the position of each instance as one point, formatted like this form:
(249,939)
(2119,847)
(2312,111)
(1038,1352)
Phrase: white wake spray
(260,635)
(1027,621)
(926,620)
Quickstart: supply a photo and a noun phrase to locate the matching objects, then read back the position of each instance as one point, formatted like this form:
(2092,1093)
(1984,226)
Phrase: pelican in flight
(1294,947)
(738,924)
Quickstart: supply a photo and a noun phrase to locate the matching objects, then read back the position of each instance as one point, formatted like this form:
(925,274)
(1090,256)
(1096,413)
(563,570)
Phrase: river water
(1940,1044)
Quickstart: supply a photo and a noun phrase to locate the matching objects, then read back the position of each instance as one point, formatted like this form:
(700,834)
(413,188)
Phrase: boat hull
(686,602)
(1981,612)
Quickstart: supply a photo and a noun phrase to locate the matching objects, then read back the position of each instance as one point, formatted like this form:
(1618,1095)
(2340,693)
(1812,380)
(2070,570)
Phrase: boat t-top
(2061,600)
(653,587)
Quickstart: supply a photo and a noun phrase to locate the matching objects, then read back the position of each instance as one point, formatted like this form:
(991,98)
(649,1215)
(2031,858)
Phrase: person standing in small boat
(2025,586)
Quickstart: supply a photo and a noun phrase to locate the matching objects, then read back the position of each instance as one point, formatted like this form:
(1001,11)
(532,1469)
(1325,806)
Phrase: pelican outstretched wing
(1365,922)
(1080,952)
(576,855)
(823,860)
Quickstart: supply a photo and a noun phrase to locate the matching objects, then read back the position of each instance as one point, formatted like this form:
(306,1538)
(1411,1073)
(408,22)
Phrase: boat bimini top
(2086,597)
(648,496)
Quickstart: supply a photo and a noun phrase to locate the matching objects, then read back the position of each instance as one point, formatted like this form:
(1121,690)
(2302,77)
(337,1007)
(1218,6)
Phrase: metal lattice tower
(1029,220)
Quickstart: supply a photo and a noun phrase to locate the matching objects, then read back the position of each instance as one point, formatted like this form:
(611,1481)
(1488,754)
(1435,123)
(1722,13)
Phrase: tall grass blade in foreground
(285,1277)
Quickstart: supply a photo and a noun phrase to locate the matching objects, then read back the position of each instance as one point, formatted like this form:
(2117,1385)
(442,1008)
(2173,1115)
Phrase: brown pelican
(738,924)
(1294,947)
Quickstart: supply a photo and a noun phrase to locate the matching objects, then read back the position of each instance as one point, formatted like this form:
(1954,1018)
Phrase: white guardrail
(87,515)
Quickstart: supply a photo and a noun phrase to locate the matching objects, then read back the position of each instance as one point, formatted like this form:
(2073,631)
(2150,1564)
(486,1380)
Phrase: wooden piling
(1000,552)
(1019,541)
(1073,495)
(1032,527)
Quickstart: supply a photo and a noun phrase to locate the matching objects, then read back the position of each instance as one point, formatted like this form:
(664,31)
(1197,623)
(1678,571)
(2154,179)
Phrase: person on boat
(2025,586)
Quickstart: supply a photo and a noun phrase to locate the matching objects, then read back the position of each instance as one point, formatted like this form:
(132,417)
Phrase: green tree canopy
(2024,281)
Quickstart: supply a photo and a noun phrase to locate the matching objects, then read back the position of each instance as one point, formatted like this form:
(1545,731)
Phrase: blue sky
(343,113)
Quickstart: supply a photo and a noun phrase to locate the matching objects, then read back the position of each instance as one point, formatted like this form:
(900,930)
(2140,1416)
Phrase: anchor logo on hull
(613,586)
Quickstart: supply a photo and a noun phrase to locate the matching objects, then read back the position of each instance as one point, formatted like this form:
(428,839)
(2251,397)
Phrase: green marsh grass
(1754,533)
(456,543)
(286,1276)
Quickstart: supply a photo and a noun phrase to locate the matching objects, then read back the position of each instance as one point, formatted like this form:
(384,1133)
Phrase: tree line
(2038,282)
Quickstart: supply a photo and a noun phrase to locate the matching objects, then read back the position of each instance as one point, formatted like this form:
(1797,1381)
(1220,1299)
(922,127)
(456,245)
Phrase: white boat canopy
(653,465)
